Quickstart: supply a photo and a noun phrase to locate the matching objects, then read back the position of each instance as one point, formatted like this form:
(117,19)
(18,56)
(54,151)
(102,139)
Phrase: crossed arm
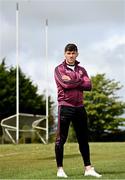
(82,82)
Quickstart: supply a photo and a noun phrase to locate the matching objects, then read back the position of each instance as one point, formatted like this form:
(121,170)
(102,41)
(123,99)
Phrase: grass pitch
(37,161)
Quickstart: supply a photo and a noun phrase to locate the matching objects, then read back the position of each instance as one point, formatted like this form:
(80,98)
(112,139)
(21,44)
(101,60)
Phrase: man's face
(71,57)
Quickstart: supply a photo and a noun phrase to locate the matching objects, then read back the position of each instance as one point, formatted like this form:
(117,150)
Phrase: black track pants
(78,116)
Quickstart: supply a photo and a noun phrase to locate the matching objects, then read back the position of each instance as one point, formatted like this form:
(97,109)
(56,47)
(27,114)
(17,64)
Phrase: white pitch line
(9,154)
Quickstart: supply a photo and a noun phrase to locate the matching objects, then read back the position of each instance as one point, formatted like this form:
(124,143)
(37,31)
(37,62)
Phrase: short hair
(71,47)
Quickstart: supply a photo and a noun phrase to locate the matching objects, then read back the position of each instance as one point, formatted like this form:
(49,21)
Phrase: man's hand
(66,78)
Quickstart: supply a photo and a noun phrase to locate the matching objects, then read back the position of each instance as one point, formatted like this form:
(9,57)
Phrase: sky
(97,27)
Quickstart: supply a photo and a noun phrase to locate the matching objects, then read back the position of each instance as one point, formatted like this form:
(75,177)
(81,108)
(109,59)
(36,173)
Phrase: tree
(103,106)
(29,100)
(7,92)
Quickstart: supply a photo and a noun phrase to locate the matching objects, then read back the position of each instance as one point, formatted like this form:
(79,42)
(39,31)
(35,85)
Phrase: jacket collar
(76,63)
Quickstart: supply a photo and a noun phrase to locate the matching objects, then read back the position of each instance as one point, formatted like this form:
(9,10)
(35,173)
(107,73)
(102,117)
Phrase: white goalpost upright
(47,100)
(17,128)
(17,73)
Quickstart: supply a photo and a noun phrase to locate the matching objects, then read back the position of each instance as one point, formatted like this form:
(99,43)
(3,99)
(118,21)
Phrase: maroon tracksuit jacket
(70,93)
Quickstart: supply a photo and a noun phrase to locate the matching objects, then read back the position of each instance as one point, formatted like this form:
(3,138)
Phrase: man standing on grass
(72,80)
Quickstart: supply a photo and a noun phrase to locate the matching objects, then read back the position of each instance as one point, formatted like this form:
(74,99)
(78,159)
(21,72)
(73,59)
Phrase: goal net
(32,128)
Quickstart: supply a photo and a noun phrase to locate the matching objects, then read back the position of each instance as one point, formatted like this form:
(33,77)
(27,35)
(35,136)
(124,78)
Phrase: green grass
(37,161)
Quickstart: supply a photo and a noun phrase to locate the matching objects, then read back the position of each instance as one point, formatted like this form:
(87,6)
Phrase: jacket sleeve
(86,84)
(67,84)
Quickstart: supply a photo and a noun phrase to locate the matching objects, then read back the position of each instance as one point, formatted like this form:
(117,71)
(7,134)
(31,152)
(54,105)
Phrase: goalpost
(12,124)
(47,100)
(17,73)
